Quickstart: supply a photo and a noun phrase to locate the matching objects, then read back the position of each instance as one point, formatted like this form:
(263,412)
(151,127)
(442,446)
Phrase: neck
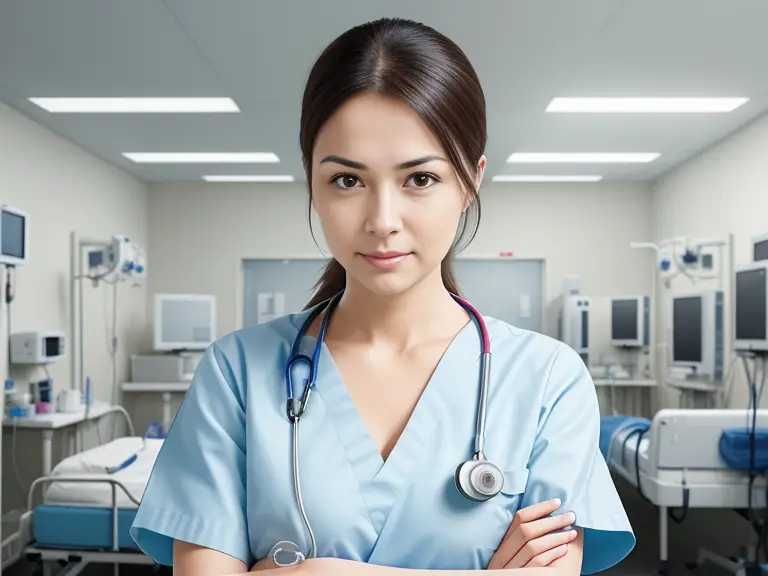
(424,312)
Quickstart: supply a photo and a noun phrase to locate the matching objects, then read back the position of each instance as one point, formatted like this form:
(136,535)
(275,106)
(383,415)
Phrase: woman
(393,132)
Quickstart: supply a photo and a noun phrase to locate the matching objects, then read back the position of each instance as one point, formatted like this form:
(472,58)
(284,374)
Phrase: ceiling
(259,53)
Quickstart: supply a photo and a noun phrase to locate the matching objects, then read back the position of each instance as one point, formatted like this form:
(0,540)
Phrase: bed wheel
(664,568)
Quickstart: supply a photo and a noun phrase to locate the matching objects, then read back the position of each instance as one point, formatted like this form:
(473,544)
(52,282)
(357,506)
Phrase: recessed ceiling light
(249,178)
(646,105)
(582,157)
(546,178)
(136,105)
(202,157)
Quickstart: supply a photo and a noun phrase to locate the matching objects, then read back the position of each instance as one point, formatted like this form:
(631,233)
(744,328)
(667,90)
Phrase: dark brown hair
(422,68)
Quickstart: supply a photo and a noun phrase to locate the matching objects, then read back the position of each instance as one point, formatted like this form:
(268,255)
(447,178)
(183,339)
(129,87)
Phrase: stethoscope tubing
(296,406)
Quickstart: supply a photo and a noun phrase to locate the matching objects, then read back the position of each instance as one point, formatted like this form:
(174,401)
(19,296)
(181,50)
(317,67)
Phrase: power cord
(8,297)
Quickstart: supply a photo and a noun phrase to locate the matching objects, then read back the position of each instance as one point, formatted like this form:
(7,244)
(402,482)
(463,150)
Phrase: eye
(346,181)
(422,180)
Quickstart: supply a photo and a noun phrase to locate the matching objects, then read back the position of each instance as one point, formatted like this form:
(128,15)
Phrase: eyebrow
(402,166)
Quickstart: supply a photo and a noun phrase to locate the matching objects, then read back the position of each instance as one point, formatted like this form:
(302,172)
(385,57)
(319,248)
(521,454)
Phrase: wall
(578,229)
(63,188)
(722,191)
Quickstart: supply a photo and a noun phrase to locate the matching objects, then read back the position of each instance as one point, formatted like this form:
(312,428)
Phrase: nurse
(393,131)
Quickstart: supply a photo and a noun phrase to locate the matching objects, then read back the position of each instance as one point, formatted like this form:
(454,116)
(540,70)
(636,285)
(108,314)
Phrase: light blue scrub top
(223,478)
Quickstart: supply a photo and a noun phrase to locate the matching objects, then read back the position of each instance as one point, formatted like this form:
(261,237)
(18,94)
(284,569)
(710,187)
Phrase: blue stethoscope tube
(476,479)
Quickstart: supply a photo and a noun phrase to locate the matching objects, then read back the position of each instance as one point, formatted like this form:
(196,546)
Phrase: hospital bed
(86,511)
(676,461)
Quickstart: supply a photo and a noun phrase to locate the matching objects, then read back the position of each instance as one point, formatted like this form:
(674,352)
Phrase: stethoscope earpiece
(479,480)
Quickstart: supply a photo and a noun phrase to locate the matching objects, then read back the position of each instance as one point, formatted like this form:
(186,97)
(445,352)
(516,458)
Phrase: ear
(479,173)
(481,164)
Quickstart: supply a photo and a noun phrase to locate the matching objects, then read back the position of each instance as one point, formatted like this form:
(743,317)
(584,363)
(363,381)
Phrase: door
(291,280)
(504,288)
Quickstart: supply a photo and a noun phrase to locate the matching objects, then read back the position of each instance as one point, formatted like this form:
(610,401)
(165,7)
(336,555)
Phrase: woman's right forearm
(336,567)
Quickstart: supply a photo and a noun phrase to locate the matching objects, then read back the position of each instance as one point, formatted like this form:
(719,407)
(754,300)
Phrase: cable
(113,397)
(752,386)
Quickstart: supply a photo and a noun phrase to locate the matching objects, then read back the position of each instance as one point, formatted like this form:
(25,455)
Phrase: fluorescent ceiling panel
(249,178)
(582,157)
(135,105)
(202,157)
(546,178)
(645,105)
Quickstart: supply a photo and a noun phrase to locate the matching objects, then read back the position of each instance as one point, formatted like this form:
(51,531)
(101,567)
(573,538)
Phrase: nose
(384,211)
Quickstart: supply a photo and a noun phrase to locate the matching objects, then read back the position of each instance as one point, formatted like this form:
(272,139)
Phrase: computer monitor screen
(761,251)
(12,226)
(184,322)
(686,329)
(751,304)
(624,319)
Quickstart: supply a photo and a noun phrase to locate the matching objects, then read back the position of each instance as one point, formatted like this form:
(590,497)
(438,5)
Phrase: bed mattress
(53,528)
(94,463)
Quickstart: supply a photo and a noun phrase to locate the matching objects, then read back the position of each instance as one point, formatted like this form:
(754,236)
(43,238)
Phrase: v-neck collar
(456,367)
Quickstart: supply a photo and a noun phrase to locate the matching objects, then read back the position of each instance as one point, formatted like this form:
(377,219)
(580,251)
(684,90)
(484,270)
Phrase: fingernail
(571,517)
(555,501)
(572,534)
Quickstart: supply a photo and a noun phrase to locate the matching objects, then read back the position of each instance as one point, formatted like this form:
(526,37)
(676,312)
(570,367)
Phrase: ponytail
(332,281)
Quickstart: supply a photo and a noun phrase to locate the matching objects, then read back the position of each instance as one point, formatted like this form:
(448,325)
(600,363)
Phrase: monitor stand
(191,359)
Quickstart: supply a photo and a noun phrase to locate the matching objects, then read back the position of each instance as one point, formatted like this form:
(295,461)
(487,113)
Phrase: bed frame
(75,561)
(681,468)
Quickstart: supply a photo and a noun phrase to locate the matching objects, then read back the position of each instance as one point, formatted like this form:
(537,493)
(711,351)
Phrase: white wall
(199,232)
(63,188)
(722,191)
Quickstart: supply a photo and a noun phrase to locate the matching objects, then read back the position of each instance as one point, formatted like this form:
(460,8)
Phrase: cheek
(436,228)
(338,224)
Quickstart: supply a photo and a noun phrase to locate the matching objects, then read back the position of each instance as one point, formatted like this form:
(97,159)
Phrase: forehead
(376,130)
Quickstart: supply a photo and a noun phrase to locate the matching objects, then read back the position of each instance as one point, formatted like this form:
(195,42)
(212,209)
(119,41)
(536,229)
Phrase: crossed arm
(534,545)
(191,560)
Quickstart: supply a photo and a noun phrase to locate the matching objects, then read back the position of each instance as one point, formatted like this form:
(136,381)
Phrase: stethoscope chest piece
(479,480)
(286,553)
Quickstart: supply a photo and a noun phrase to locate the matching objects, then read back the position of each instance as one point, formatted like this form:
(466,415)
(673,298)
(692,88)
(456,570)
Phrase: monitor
(14,233)
(184,322)
(630,321)
(760,248)
(686,329)
(697,332)
(751,308)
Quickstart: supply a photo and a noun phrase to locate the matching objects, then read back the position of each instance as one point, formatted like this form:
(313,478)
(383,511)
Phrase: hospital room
(221,220)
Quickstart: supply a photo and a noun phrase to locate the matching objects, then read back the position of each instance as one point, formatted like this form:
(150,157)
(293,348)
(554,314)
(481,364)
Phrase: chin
(388,285)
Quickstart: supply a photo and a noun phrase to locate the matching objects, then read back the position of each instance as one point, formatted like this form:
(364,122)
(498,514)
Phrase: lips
(385,260)
(385,255)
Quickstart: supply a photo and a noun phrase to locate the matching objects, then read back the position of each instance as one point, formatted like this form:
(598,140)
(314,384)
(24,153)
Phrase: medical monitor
(184,322)
(760,248)
(630,321)
(751,308)
(14,233)
(697,333)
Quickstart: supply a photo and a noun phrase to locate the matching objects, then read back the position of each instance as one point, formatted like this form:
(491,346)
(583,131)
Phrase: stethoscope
(476,479)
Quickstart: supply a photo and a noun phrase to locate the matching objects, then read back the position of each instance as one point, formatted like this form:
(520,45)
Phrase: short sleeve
(196,491)
(566,463)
